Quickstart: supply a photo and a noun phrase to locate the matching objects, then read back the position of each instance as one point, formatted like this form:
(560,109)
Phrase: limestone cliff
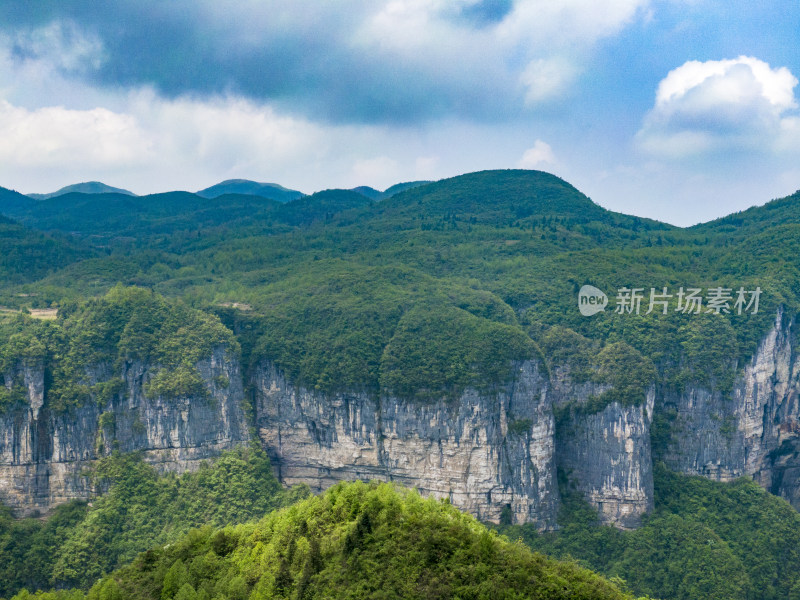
(605,455)
(493,453)
(43,454)
(485,452)
(752,431)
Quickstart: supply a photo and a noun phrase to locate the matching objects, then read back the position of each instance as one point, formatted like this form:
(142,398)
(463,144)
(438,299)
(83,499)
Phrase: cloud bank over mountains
(357,92)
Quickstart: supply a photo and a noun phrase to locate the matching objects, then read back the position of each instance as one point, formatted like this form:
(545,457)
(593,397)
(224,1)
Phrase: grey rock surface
(44,455)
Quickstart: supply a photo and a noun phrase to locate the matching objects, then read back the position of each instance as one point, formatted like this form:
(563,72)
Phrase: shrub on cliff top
(127,324)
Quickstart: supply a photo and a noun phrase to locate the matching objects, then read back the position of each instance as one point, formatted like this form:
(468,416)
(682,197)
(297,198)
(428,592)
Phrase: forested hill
(355,541)
(336,278)
(418,314)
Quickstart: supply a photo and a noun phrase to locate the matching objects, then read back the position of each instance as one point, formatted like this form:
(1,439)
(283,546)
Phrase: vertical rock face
(753,431)
(605,455)
(43,454)
(490,454)
(494,454)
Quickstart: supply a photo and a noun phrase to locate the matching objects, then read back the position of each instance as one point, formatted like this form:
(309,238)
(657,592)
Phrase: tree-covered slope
(12,202)
(273,191)
(356,540)
(127,324)
(331,277)
(782,211)
(27,255)
(440,287)
(710,540)
(81,542)
(87,187)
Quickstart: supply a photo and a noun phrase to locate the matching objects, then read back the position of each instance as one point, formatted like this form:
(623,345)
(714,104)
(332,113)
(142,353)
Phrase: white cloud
(176,141)
(540,155)
(61,45)
(774,85)
(570,22)
(546,79)
(225,133)
(150,144)
(721,106)
(537,44)
(56,136)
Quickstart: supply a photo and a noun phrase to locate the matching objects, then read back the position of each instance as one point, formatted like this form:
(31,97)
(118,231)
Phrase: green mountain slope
(374,194)
(333,276)
(81,542)
(705,539)
(27,255)
(355,541)
(440,287)
(12,202)
(119,221)
(783,211)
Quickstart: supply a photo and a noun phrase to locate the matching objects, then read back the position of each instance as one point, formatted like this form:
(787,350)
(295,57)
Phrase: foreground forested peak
(356,540)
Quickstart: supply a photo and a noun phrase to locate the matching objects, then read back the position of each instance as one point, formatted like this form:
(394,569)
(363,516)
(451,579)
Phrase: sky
(678,110)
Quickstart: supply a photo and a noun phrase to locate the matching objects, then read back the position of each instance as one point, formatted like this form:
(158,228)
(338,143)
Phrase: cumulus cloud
(171,140)
(740,104)
(568,22)
(225,133)
(151,143)
(540,155)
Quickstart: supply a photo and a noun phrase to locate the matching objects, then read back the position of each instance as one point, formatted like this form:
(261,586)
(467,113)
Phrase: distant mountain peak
(374,194)
(273,191)
(87,187)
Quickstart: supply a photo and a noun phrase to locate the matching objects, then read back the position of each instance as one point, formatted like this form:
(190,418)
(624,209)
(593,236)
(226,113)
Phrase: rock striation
(495,453)
(44,454)
(488,453)
(754,430)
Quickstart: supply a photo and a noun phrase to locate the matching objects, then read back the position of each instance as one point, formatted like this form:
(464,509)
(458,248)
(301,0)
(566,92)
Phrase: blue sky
(681,110)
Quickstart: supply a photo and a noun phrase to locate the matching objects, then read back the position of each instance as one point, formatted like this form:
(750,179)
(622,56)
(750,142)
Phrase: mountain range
(242,187)
(432,337)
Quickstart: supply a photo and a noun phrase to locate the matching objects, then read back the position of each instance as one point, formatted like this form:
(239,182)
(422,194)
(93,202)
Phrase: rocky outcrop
(491,454)
(752,431)
(44,454)
(606,457)
(604,454)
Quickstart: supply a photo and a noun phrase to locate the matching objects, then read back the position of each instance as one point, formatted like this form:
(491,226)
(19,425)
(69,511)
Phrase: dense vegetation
(81,542)
(705,540)
(337,285)
(421,294)
(125,325)
(356,540)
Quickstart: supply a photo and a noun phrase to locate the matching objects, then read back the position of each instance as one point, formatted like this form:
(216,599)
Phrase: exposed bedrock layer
(485,452)
(44,455)
(494,454)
